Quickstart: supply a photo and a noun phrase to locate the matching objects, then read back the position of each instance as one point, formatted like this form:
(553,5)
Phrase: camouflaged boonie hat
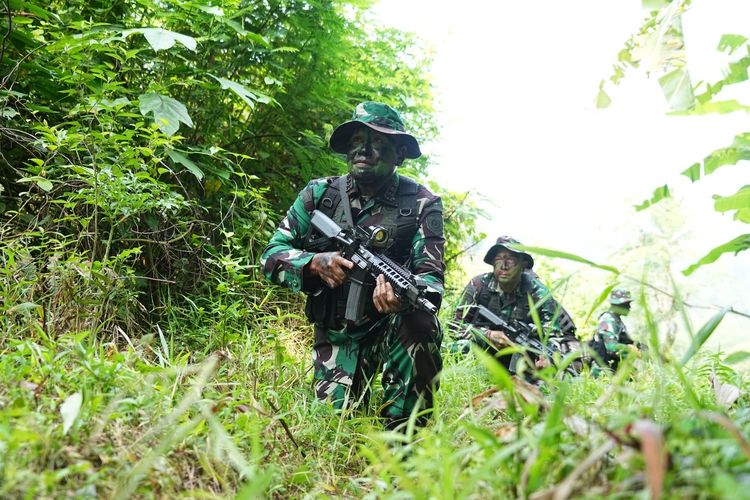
(619,296)
(379,117)
(507,243)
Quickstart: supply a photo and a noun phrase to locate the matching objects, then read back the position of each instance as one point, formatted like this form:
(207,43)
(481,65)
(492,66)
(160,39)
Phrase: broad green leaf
(740,201)
(70,409)
(677,90)
(161,39)
(565,255)
(8,112)
(168,112)
(729,43)
(693,172)
(719,107)
(723,157)
(735,246)
(209,9)
(183,160)
(602,100)
(703,334)
(247,95)
(659,194)
(737,357)
(43,183)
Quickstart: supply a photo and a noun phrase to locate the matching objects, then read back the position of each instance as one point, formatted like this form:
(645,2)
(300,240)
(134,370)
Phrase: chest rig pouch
(328,307)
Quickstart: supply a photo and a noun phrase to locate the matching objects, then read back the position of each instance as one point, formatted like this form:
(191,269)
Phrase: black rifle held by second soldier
(516,331)
(410,289)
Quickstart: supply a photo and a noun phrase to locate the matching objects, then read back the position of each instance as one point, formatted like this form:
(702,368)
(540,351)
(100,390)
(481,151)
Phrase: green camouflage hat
(507,242)
(619,296)
(379,117)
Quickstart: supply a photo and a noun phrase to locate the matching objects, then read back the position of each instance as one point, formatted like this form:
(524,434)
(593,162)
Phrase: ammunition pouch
(328,308)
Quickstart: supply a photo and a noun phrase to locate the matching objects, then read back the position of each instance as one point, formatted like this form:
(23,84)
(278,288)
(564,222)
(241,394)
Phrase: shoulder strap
(327,204)
(406,222)
(331,197)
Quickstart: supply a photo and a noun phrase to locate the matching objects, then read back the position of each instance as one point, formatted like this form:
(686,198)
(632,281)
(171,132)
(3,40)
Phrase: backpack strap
(406,222)
(327,204)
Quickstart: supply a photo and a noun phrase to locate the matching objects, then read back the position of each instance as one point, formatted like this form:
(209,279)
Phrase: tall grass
(216,401)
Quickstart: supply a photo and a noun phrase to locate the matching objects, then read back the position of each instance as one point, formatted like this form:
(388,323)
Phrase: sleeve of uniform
(428,242)
(609,333)
(283,259)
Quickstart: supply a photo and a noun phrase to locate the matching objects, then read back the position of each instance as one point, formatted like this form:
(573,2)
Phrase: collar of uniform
(386,194)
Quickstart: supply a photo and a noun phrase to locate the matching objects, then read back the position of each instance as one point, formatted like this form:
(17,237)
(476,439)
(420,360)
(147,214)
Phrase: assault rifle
(517,331)
(410,289)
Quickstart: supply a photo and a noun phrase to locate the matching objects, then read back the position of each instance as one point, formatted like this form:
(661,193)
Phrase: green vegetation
(147,149)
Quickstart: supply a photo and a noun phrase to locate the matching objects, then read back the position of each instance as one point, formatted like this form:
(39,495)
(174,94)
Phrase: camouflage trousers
(406,347)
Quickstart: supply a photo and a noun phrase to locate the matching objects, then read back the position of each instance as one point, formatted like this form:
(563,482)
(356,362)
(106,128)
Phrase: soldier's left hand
(384,297)
(541,362)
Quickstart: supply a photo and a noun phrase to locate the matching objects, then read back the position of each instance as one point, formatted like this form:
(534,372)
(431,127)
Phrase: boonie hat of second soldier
(507,242)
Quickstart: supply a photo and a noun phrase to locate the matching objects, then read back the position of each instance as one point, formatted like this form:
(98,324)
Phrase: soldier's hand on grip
(384,297)
(330,267)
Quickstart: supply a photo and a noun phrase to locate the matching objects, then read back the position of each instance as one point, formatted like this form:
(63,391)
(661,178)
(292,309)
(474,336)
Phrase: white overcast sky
(516,83)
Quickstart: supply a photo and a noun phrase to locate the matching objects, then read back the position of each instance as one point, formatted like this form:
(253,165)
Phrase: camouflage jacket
(514,305)
(284,258)
(611,331)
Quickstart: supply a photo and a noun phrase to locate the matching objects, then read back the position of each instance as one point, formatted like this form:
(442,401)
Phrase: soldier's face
(372,156)
(508,267)
(622,309)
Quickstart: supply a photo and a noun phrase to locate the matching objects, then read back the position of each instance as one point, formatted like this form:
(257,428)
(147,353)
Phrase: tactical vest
(327,308)
(521,311)
(491,301)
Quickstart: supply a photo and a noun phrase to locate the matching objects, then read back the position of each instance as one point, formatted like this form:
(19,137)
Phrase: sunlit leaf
(735,246)
(659,194)
(602,100)
(44,184)
(168,112)
(183,160)
(677,90)
(213,10)
(729,43)
(737,357)
(69,410)
(719,107)
(161,39)
(567,256)
(703,334)
(8,113)
(740,201)
(739,150)
(245,94)
(693,172)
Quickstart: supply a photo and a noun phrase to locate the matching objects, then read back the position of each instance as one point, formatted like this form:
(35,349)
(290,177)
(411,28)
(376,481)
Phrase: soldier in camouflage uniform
(611,341)
(405,344)
(505,291)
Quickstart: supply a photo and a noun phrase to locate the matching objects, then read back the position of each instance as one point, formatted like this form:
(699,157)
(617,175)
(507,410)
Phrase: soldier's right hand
(499,338)
(330,267)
